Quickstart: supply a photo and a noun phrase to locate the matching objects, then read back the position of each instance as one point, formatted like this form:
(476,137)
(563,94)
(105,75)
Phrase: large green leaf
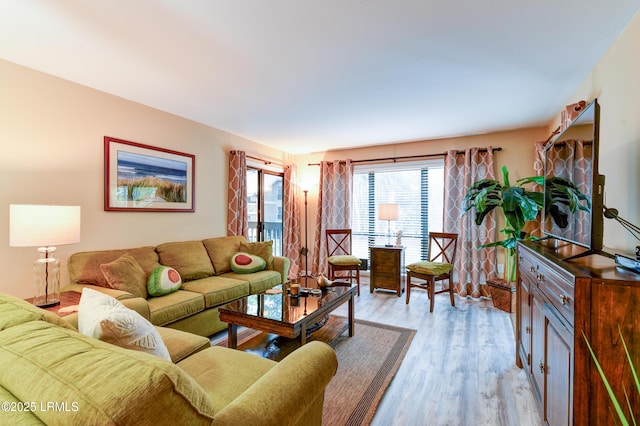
(563,197)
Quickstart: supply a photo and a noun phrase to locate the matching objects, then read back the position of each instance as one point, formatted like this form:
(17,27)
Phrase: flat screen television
(573,155)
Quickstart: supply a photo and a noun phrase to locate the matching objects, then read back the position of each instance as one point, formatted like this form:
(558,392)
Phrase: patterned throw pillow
(126,274)
(163,280)
(245,263)
(264,249)
(102,317)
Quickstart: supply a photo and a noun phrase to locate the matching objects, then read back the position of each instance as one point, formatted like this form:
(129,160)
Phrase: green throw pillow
(245,263)
(163,280)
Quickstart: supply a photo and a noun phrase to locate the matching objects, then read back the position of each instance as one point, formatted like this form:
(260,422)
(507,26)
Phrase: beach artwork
(147,178)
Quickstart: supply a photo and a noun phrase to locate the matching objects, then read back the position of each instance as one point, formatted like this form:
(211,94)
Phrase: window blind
(417,187)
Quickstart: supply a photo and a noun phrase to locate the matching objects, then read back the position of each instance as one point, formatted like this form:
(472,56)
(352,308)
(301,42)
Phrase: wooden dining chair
(340,259)
(441,256)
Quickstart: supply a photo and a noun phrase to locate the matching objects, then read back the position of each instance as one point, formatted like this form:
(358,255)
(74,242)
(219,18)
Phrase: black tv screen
(573,155)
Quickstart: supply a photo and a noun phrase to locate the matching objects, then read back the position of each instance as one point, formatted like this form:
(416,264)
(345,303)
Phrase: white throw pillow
(102,317)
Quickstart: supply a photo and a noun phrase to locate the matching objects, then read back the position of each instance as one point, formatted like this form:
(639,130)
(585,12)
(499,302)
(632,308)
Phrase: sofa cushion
(84,267)
(174,306)
(258,281)
(344,260)
(189,258)
(99,383)
(219,289)
(245,263)
(225,373)
(163,280)
(104,318)
(126,274)
(264,249)
(221,249)
(15,311)
(182,344)
(16,417)
(429,268)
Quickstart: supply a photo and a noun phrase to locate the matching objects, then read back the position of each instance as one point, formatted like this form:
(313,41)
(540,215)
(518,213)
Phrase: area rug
(367,362)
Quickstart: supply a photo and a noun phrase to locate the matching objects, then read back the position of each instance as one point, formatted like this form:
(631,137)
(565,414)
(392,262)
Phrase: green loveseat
(51,374)
(205,269)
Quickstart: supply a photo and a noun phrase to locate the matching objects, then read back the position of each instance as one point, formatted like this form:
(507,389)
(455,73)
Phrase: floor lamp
(305,249)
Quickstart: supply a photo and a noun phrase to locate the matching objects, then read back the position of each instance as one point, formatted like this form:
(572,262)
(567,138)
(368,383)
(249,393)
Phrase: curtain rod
(266,162)
(408,157)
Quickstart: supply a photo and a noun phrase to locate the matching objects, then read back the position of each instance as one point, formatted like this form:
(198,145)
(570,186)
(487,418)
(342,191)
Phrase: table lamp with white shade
(44,227)
(388,212)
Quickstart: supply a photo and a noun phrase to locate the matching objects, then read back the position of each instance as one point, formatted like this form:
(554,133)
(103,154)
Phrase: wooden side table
(387,264)
(67,298)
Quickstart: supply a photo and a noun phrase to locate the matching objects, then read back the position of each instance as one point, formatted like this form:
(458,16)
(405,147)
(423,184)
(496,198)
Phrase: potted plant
(520,206)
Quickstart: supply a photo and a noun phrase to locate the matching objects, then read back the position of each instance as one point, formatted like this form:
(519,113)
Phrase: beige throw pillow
(102,317)
(126,274)
(264,249)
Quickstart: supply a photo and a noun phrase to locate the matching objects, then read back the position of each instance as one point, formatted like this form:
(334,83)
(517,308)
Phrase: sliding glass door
(264,201)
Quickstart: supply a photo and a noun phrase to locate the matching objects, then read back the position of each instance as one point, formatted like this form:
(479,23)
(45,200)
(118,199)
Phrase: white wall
(615,81)
(51,133)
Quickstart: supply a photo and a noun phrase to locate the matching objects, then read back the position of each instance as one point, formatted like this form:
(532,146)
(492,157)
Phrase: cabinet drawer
(527,265)
(556,284)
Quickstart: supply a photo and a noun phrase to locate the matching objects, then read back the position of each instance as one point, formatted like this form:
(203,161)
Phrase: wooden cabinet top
(595,266)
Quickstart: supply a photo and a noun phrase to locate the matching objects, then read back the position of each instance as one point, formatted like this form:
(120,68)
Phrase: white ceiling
(306,76)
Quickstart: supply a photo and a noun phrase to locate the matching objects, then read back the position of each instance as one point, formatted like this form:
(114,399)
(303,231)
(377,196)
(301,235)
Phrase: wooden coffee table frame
(291,330)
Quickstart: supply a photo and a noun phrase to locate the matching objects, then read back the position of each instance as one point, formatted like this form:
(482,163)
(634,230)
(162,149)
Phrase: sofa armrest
(281,264)
(116,294)
(285,394)
(138,304)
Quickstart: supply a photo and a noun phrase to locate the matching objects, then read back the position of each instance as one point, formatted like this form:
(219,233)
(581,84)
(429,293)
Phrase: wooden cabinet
(387,264)
(561,302)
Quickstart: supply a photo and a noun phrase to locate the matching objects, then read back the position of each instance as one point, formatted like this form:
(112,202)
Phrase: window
(417,187)
(264,207)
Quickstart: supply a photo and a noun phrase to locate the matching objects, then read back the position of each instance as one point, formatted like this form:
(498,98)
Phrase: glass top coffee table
(277,312)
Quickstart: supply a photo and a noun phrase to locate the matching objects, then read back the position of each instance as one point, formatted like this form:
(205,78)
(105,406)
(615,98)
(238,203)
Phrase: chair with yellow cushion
(340,258)
(441,255)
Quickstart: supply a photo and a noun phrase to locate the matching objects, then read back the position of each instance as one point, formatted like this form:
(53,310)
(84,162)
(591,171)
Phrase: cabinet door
(524,306)
(537,344)
(558,370)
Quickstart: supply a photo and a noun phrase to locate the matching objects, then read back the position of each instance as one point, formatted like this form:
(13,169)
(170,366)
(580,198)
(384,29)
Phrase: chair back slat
(338,241)
(442,247)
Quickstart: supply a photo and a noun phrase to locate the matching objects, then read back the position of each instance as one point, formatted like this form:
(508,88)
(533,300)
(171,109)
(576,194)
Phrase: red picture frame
(144,178)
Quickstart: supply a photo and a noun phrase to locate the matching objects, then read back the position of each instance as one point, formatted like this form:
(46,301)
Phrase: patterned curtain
(572,160)
(534,227)
(334,206)
(237,219)
(472,266)
(291,221)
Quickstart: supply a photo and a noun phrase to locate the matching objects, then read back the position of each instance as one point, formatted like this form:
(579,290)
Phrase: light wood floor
(460,368)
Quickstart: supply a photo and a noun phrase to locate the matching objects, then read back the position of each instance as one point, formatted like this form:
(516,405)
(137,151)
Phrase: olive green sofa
(207,279)
(51,374)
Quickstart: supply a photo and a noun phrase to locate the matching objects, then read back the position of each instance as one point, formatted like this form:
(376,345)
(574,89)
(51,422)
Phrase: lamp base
(46,279)
(47,304)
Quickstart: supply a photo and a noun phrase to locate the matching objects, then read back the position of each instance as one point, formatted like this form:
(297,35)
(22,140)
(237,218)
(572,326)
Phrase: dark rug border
(365,409)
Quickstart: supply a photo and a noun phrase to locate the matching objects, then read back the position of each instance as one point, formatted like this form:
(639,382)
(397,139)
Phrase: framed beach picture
(140,177)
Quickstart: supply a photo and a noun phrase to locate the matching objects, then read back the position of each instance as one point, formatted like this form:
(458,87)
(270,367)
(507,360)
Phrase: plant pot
(503,294)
